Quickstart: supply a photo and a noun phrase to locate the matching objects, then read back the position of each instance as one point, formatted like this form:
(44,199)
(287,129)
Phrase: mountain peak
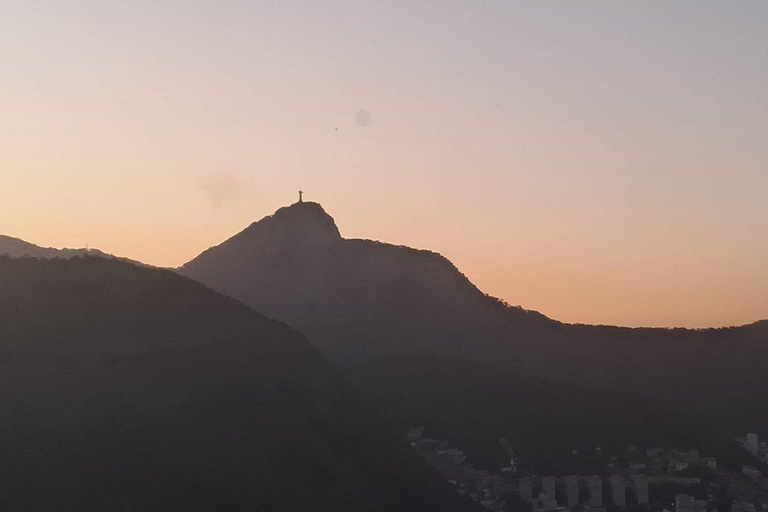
(304,218)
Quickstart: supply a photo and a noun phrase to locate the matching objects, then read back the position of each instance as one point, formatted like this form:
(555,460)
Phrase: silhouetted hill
(360,300)
(18,248)
(129,388)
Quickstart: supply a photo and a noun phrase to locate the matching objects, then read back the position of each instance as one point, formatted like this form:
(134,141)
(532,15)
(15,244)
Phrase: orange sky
(601,163)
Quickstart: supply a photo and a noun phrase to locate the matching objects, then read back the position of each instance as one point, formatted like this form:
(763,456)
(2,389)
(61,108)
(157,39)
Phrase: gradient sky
(601,162)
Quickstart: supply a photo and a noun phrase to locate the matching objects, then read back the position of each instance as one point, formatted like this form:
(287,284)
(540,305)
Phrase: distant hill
(360,301)
(17,248)
(129,388)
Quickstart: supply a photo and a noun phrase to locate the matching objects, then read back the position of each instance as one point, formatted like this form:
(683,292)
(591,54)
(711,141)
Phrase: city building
(752,444)
(548,486)
(525,488)
(595,487)
(618,490)
(751,472)
(686,503)
(572,491)
(545,502)
(740,505)
(640,487)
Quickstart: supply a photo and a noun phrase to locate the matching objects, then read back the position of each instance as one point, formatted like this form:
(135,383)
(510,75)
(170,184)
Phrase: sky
(600,162)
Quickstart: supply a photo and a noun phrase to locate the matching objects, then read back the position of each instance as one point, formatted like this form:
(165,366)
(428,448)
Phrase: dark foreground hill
(364,302)
(128,388)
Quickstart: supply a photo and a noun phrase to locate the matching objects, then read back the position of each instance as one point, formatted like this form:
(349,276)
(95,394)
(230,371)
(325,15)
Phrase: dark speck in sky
(363,118)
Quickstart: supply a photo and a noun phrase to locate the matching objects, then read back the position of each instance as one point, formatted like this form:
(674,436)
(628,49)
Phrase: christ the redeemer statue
(301,193)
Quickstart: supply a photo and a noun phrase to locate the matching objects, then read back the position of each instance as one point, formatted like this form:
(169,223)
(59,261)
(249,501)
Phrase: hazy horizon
(600,163)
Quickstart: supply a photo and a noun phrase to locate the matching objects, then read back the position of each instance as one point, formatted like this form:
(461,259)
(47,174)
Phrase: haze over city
(599,162)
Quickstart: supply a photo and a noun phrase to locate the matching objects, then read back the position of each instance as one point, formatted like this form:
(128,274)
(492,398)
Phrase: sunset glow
(601,162)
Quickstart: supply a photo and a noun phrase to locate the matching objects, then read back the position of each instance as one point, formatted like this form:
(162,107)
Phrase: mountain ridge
(18,248)
(286,214)
(364,301)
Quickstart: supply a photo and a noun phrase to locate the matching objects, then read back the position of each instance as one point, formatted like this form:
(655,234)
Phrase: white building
(595,486)
(640,485)
(572,491)
(685,503)
(618,490)
(752,444)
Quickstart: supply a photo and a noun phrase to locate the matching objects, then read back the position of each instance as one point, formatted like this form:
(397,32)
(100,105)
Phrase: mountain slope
(295,266)
(360,301)
(123,387)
